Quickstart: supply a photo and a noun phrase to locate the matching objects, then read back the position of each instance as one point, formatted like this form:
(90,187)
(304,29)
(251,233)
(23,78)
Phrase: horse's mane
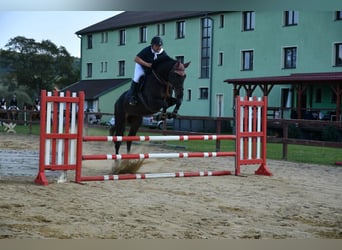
(163,64)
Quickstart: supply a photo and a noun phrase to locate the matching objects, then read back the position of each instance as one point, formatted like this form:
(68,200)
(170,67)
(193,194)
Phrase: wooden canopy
(300,82)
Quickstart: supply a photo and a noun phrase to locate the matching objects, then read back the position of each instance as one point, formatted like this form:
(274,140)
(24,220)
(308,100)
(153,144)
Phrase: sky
(57,26)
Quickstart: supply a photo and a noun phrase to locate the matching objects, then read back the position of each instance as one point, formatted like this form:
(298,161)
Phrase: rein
(166,83)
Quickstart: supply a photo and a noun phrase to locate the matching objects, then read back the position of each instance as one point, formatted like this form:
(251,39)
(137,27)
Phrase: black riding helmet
(157,41)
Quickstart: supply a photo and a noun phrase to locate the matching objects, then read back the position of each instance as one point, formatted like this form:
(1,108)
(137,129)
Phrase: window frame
(221,21)
(247,54)
(248,20)
(122,37)
(220,58)
(180,58)
(143,34)
(203,93)
(89,70)
(90,41)
(338,54)
(188,95)
(161,29)
(292,64)
(206,47)
(104,67)
(291,18)
(180,29)
(104,37)
(121,67)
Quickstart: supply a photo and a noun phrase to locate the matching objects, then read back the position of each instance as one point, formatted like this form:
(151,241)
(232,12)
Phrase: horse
(33,110)
(12,112)
(3,113)
(161,89)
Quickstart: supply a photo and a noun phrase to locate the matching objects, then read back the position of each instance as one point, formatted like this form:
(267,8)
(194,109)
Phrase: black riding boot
(134,91)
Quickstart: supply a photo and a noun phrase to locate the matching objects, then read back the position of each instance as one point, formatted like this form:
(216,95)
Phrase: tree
(38,65)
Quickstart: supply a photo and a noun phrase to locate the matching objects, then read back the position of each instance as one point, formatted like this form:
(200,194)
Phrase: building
(228,51)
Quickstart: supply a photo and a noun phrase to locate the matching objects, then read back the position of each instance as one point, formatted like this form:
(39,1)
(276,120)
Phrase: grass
(296,153)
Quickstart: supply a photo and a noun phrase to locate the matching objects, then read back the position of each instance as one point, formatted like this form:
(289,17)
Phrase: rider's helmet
(157,41)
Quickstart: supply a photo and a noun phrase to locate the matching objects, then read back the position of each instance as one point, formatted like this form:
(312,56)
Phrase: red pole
(80,120)
(41,178)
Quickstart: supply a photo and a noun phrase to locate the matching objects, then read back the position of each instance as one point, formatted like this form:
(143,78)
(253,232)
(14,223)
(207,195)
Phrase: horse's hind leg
(116,144)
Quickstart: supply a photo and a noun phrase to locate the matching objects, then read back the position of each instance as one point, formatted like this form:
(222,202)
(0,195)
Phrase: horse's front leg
(177,102)
(136,122)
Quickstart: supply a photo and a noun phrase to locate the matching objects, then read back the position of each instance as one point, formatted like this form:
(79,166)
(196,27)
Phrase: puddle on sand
(20,163)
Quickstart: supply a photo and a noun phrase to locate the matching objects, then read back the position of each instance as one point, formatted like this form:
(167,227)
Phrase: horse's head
(176,78)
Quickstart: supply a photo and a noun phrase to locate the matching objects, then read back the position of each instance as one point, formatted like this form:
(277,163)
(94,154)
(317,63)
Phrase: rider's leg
(134,91)
(138,72)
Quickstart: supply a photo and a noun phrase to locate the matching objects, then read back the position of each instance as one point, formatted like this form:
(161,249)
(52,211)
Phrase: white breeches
(138,72)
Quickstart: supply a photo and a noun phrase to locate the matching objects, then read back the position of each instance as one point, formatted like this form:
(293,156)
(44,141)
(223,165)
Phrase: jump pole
(154,175)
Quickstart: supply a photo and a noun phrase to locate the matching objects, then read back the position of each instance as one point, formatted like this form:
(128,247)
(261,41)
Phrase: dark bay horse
(161,89)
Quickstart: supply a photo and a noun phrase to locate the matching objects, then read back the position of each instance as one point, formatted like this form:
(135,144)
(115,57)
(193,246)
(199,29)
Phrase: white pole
(250,126)
(72,154)
(48,131)
(62,177)
(241,128)
(259,129)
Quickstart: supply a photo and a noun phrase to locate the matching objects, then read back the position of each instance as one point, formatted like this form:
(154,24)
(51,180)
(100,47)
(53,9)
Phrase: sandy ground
(300,201)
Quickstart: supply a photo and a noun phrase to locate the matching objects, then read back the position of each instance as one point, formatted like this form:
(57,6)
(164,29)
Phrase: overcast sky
(57,26)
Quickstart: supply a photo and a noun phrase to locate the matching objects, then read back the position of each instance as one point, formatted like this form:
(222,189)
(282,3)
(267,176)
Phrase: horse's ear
(186,64)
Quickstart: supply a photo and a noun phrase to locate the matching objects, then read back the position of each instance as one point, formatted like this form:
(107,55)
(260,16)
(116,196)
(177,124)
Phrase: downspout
(79,36)
(211,68)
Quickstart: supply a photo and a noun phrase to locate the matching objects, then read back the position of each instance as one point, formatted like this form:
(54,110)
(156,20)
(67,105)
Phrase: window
(221,25)
(104,66)
(318,95)
(143,34)
(89,69)
(220,59)
(248,20)
(121,68)
(90,41)
(285,98)
(290,57)
(104,37)
(180,59)
(338,15)
(161,29)
(188,96)
(206,36)
(338,54)
(180,29)
(291,17)
(247,60)
(122,37)
(203,93)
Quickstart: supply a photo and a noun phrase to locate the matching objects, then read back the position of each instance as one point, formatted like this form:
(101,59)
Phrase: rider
(37,104)
(144,61)
(14,102)
(3,103)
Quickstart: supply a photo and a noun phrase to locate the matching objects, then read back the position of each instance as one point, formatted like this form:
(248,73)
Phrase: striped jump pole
(154,175)
(160,138)
(157,155)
